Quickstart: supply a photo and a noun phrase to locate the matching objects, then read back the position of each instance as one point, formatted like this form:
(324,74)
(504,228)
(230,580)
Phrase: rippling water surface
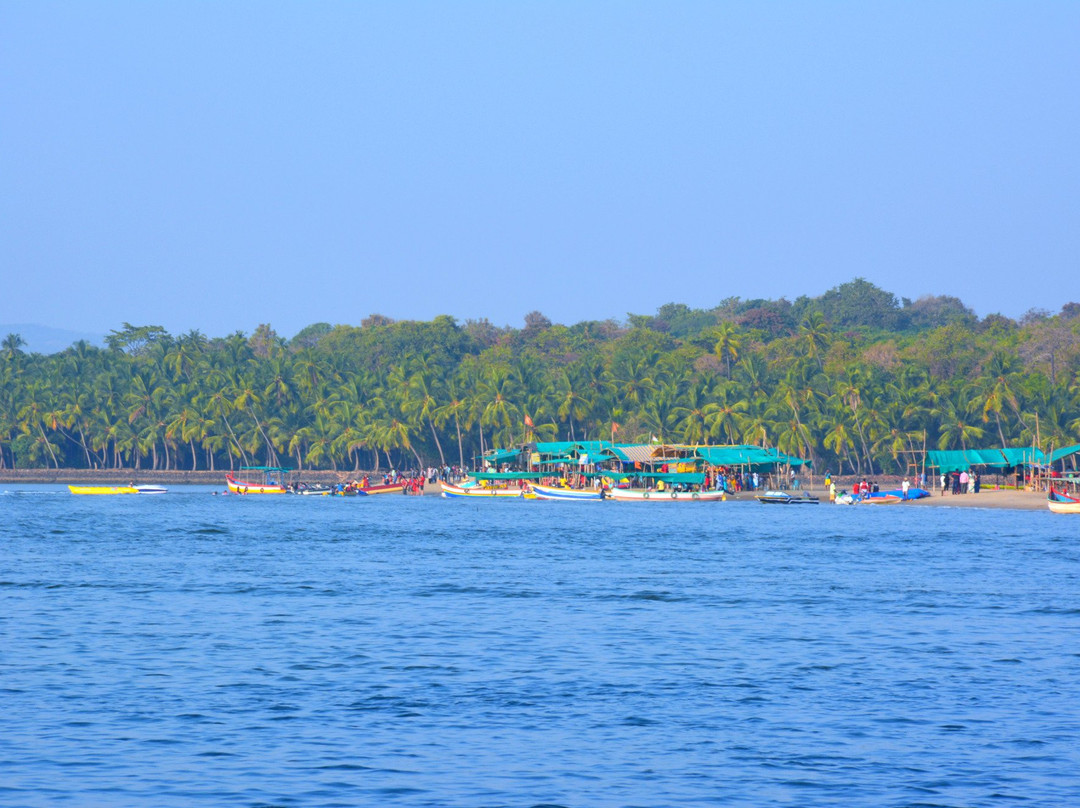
(197,650)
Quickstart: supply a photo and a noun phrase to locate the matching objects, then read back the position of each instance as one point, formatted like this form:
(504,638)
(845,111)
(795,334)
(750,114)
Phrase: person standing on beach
(944,483)
(905,486)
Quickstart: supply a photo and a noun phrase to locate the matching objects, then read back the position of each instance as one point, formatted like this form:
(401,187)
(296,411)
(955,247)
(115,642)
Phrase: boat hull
(1062,503)
(103,489)
(389,488)
(636,495)
(782,498)
(881,499)
(480,492)
(566,494)
(242,487)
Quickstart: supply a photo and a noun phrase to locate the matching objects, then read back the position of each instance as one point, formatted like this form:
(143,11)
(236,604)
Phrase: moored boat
(880,499)
(641,495)
(784,498)
(568,494)
(483,491)
(244,487)
(103,489)
(1059,502)
(387,488)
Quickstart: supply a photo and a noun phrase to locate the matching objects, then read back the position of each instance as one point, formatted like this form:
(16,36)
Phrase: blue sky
(217,165)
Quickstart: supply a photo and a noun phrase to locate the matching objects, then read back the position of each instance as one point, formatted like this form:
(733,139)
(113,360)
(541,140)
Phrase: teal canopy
(507,475)
(502,455)
(575,447)
(1063,452)
(690,477)
(963,459)
(754,456)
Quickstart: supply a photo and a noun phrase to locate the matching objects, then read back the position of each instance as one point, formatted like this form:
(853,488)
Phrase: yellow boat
(103,489)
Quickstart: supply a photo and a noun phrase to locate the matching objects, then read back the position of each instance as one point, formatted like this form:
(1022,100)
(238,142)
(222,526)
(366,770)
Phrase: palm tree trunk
(48,446)
(243,454)
(442,457)
(460,447)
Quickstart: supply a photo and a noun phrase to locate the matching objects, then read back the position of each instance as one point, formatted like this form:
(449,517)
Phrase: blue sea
(190,649)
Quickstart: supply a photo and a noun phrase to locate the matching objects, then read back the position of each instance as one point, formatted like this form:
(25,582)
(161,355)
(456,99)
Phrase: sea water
(190,649)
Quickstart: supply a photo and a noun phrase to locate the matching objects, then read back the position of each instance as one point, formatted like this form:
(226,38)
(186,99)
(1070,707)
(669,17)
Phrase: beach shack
(1008,464)
(741,462)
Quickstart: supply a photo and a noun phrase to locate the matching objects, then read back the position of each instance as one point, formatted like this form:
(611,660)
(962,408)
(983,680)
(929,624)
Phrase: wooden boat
(243,487)
(388,488)
(331,491)
(784,498)
(567,494)
(103,489)
(1059,502)
(880,499)
(642,495)
(484,492)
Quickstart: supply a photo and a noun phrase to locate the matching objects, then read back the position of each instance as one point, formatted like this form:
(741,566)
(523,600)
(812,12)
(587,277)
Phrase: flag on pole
(528,421)
(614,427)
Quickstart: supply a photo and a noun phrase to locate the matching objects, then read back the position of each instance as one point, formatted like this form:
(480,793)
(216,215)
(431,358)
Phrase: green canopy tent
(998,459)
(500,456)
(507,475)
(1064,452)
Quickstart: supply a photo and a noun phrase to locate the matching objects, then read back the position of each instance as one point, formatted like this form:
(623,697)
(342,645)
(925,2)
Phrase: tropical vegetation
(855,380)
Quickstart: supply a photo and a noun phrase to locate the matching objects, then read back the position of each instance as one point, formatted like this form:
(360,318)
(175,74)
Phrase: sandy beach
(987,498)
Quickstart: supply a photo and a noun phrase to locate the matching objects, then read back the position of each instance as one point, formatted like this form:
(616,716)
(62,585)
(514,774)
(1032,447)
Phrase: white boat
(642,495)
(484,491)
(784,498)
(567,494)
(151,489)
(1058,502)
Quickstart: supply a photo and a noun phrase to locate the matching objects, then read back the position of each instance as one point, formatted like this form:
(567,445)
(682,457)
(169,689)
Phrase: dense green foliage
(854,379)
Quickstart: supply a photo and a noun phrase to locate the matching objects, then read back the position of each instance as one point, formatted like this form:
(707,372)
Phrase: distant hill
(46,340)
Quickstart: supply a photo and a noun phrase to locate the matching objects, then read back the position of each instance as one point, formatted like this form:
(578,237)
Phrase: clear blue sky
(216,165)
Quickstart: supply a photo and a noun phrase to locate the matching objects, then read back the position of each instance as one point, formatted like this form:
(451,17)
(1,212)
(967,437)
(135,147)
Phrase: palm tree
(728,341)
(422,402)
(838,439)
(814,336)
(12,346)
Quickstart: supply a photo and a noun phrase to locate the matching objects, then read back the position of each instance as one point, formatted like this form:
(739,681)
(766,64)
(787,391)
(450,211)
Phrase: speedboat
(784,498)
(117,489)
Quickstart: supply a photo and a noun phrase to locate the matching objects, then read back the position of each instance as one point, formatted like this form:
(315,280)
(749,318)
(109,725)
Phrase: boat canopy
(690,477)
(502,455)
(267,469)
(507,475)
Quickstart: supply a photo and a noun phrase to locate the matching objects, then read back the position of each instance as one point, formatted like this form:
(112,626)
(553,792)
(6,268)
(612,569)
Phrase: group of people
(961,482)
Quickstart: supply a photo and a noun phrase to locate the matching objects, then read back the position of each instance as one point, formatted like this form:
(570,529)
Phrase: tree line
(855,380)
